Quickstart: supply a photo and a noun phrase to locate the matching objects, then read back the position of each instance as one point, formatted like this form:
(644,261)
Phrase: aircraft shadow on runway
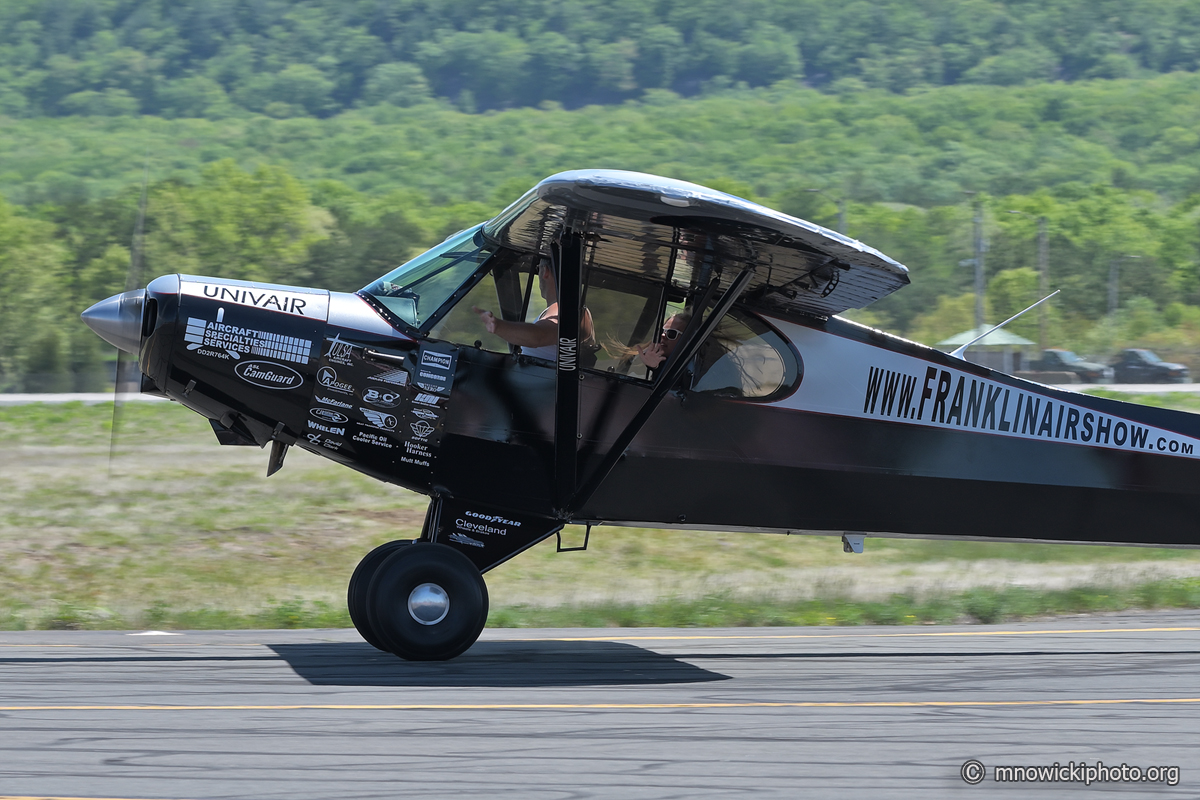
(493,664)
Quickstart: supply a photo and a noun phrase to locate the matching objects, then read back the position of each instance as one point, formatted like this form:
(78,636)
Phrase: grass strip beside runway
(183,534)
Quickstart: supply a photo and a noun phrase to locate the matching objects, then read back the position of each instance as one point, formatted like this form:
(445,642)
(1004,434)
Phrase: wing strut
(568,255)
(694,335)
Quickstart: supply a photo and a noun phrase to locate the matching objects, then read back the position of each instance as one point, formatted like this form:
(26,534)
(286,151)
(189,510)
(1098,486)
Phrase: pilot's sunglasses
(671,333)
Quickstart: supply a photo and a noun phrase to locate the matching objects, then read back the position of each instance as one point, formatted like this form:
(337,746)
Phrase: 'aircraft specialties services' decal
(235,341)
(860,380)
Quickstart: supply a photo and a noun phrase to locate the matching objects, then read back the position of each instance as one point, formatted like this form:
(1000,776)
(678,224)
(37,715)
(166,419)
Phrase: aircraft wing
(633,223)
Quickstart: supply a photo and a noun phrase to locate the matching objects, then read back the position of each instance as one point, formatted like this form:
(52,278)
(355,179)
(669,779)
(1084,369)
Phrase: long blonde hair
(623,352)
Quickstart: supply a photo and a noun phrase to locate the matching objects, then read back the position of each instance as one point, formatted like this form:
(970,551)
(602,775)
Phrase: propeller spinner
(118,320)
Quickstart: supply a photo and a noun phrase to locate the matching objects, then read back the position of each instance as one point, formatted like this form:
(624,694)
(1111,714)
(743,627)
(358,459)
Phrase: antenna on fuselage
(958,351)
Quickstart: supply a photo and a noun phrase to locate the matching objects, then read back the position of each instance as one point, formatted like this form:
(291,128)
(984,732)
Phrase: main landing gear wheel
(427,602)
(360,582)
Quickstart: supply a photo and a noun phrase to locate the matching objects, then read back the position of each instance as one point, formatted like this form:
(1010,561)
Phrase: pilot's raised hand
(652,355)
(486,317)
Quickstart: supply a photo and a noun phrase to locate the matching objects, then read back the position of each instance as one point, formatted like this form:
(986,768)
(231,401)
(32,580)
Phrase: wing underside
(668,230)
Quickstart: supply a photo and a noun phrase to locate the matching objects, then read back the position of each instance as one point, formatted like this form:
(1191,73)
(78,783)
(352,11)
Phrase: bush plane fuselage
(772,414)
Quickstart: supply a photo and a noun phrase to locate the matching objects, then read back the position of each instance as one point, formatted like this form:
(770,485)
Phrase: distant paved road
(629,713)
(87,398)
(1136,388)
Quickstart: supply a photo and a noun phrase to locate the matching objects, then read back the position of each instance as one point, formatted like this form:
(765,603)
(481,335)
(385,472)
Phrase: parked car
(1143,366)
(1056,360)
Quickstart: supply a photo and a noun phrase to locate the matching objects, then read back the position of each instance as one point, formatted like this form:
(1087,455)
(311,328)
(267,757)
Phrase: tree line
(265,224)
(289,58)
(921,149)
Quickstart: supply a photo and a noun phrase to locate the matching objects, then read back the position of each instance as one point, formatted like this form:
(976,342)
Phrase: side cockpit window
(745,358)
(625,312)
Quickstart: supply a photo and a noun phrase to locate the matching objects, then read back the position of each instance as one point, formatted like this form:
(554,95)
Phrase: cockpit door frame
(694,335)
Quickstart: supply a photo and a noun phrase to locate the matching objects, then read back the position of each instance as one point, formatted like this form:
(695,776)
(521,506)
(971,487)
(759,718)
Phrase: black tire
(360,582)
(392,586)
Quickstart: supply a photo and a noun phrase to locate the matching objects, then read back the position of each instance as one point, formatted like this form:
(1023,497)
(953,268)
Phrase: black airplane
(697,377)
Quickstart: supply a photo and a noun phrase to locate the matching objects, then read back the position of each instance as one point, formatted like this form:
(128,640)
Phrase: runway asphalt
(621,713)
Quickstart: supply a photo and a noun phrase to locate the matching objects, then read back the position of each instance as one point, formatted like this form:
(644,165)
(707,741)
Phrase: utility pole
(1043,279)
(1114,278)
(1043,257)
(1112,283)
(979,248)
(840,202)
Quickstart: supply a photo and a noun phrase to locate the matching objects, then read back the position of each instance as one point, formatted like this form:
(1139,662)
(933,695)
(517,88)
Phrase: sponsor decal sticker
(396,377)
(381,398)
(480,527)
(268,375)
(417,449)
(379,419)
(366,437)
(326,428)
(340,352)
(492,518)
(238,341)
(328,378)
(300,304)
(421,429)
(435,370)
(416,462)
(320,440)
(424,398)
(424,413)
(329,401)
(567,354)
(329,415)
(956,400)
(434,360)
(849,378)
(462,538)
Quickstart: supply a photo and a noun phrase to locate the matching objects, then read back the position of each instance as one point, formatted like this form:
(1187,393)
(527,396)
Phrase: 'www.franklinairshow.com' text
(983,405)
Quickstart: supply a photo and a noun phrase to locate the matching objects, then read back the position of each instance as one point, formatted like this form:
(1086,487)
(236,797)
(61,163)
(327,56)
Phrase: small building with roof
(1000,349)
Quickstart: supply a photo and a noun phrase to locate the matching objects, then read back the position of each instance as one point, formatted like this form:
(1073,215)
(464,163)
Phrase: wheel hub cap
(429,604)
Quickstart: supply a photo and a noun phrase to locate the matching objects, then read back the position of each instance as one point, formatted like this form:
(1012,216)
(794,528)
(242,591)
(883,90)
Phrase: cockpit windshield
(415,291)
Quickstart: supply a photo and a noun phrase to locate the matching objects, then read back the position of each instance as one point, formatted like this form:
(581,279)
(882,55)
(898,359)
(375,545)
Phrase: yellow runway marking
(136,646)
(53,797)
(617,706)
(847,635)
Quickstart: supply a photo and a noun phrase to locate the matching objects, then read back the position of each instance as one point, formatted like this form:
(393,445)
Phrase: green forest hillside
(1103,141)
(210,58)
